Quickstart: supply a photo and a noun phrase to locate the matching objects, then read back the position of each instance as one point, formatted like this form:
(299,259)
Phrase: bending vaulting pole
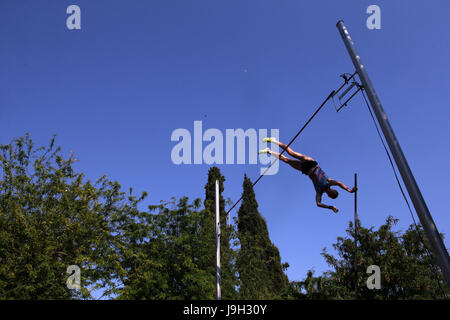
(432,234)
(218,292)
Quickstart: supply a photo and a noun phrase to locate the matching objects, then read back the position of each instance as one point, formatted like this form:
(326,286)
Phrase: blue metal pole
(431,231)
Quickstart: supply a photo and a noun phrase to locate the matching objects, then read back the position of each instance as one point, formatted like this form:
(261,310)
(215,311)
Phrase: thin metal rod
(431,231)
(218,291)
(351,97)
(347,90)
(356,238)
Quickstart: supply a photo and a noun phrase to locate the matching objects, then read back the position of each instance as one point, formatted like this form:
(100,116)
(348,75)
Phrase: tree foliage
(52,217)
(162,254)
(259,264)
(407,269)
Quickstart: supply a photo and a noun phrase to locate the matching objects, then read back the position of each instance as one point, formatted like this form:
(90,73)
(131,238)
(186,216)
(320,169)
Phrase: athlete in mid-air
(307,165)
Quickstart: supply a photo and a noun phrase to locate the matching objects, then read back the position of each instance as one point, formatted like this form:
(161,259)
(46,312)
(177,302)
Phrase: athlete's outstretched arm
(321,205)
(332,182)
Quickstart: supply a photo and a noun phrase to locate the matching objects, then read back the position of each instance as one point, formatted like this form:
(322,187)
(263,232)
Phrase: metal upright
(432,233)
(356,239)
(218,292)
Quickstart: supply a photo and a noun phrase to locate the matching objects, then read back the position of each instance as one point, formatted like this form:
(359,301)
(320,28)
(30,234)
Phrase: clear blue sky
(116,89)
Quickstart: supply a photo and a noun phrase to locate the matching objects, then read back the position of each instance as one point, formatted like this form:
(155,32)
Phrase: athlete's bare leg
(291,152)
(293,163)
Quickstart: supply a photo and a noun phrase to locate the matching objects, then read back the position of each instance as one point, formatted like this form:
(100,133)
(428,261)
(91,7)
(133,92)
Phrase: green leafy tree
(318,288)
(170,251)
(259,264)
(50,218)
(407,269)
(161,254)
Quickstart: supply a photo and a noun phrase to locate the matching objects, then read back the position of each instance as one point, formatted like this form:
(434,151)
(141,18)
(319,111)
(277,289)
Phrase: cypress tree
(258,263)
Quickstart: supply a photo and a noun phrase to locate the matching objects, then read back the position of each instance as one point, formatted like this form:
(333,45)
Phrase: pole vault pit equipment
(346,91)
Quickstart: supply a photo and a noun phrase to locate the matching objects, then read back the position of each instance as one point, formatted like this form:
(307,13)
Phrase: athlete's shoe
(264,151)
(269,140)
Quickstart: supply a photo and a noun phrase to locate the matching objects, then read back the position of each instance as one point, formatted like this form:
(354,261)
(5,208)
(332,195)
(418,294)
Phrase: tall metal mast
(432,234)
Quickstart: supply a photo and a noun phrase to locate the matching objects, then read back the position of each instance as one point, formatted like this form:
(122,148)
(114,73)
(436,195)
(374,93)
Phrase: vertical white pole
(218,292)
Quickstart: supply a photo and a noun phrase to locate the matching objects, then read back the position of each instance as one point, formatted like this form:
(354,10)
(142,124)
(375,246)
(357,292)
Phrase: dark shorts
(307,166)
(319,179)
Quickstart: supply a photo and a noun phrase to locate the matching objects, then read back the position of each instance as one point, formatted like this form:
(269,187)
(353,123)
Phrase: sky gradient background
(115,90)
